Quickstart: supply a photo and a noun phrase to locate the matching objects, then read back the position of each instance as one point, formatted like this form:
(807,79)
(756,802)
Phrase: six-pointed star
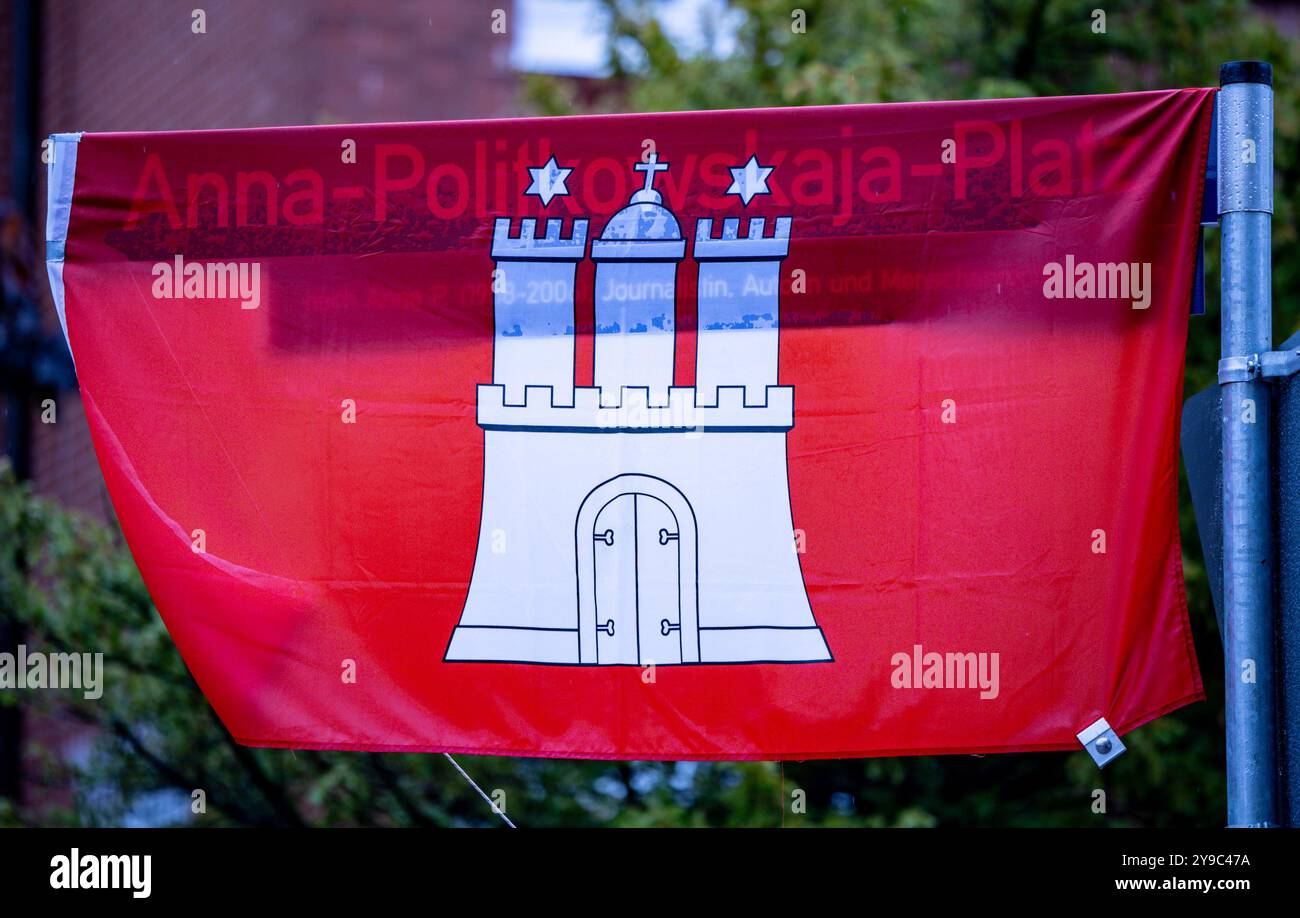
(749,180)
(548,180)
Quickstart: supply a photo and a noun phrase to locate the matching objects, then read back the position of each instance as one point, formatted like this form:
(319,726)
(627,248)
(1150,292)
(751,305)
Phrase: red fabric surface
(329,542)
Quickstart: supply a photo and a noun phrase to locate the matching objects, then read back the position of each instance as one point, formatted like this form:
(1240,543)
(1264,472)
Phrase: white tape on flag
(58,211)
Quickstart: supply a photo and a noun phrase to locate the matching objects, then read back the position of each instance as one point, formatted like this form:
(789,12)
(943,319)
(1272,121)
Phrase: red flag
(724,435)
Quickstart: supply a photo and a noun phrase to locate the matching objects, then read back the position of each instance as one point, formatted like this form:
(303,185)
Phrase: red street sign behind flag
(725,435)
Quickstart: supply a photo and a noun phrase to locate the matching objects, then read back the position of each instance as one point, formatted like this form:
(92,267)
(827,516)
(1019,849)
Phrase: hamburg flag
(787,433)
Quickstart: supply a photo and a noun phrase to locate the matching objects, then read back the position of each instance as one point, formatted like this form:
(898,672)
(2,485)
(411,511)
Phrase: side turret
(739,315)
(532,300)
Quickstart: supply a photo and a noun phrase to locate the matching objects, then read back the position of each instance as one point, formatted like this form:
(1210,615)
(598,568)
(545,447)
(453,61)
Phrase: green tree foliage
(72,585)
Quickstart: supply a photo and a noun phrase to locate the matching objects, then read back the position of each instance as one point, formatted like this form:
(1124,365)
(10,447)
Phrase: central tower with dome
(636,285)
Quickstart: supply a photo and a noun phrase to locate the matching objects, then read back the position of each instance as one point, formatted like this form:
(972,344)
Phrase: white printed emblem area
(633,521)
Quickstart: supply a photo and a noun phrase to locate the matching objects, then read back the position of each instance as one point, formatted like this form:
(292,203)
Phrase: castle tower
(633,521)
(739,315)
(532,304)
(636,280)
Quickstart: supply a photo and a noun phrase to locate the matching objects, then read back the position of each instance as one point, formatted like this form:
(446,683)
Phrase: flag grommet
(1102,743)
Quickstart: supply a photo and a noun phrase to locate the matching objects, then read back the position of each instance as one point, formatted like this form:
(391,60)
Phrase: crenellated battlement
(634,304)
(528,246)
(731,247)
(603,410)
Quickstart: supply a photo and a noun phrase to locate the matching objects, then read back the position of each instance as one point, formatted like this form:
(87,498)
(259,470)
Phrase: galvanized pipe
(1245,125)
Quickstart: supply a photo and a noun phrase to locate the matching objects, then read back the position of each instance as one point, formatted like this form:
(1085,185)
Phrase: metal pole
(1245,213)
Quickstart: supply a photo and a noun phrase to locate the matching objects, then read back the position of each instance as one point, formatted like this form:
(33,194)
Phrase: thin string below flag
(496,809)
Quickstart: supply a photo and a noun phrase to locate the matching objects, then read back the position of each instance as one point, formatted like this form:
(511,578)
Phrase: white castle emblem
(634,521)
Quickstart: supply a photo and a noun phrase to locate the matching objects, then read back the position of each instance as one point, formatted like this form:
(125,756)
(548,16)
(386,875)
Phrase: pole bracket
(1271,365)
(1101,742)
